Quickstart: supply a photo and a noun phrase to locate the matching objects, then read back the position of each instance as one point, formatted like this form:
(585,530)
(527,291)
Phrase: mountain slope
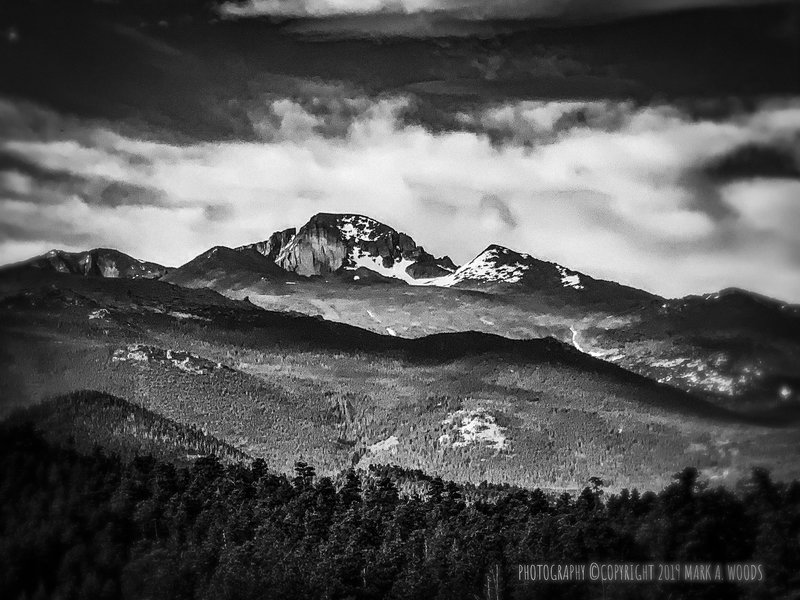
(500,269)
(228,269)
(99,262)
(732,343)
(279,386)
(89,418)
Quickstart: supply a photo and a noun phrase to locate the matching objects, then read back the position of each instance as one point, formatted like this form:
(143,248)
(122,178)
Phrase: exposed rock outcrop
(271,247)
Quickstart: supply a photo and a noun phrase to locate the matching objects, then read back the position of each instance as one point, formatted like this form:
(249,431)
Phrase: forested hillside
(79,526)
(87,419)
(468,406)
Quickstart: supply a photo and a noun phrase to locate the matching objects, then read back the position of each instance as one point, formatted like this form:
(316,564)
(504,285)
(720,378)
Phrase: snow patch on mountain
(360,258)
(569,278)
(358,228)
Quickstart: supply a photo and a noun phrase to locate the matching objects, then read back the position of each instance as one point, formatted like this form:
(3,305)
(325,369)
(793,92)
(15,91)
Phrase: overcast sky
(163,148)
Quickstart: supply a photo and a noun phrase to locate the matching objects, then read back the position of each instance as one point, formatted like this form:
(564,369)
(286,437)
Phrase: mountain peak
(503,253)
(352,226)
(496,264)
(340,242)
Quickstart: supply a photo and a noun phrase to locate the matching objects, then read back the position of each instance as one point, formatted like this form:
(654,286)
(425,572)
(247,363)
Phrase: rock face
(100,262)
(319,248)
(272,247)
(333,243)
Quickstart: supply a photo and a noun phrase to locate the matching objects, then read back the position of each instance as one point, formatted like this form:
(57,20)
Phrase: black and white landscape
(338,299)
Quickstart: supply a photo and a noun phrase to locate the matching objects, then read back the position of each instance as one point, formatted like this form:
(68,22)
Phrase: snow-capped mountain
(499,265)
(496,264)
(501,270)
(361,250)
(339,243)
(99,262)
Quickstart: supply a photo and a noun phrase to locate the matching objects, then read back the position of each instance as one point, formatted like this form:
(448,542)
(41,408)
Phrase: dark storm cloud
(11,163)
(756,160)
(199,81)
(43,233)
(24,178)
(119,193)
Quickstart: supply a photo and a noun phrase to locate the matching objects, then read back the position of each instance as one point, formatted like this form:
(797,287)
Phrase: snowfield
(487,266)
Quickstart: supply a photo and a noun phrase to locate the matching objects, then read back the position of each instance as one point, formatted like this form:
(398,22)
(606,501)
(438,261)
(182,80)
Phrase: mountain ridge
(273,385)
(97,262)
(344,243)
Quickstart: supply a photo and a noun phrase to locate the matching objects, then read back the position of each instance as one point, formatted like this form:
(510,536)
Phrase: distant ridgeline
(77,525)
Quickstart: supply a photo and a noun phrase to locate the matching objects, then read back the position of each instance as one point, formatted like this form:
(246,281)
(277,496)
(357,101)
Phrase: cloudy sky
(668,169)
(470,9)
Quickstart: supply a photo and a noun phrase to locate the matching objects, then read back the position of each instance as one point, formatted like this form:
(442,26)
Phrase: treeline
(78,526)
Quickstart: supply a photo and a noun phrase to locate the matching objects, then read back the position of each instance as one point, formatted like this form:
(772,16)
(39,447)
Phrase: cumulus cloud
(614,190)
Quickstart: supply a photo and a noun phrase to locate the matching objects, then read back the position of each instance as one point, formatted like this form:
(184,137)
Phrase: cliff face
(271,247)
(318,249)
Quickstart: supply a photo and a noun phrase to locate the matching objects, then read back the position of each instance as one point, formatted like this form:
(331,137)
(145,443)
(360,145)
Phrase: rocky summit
(331,243)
